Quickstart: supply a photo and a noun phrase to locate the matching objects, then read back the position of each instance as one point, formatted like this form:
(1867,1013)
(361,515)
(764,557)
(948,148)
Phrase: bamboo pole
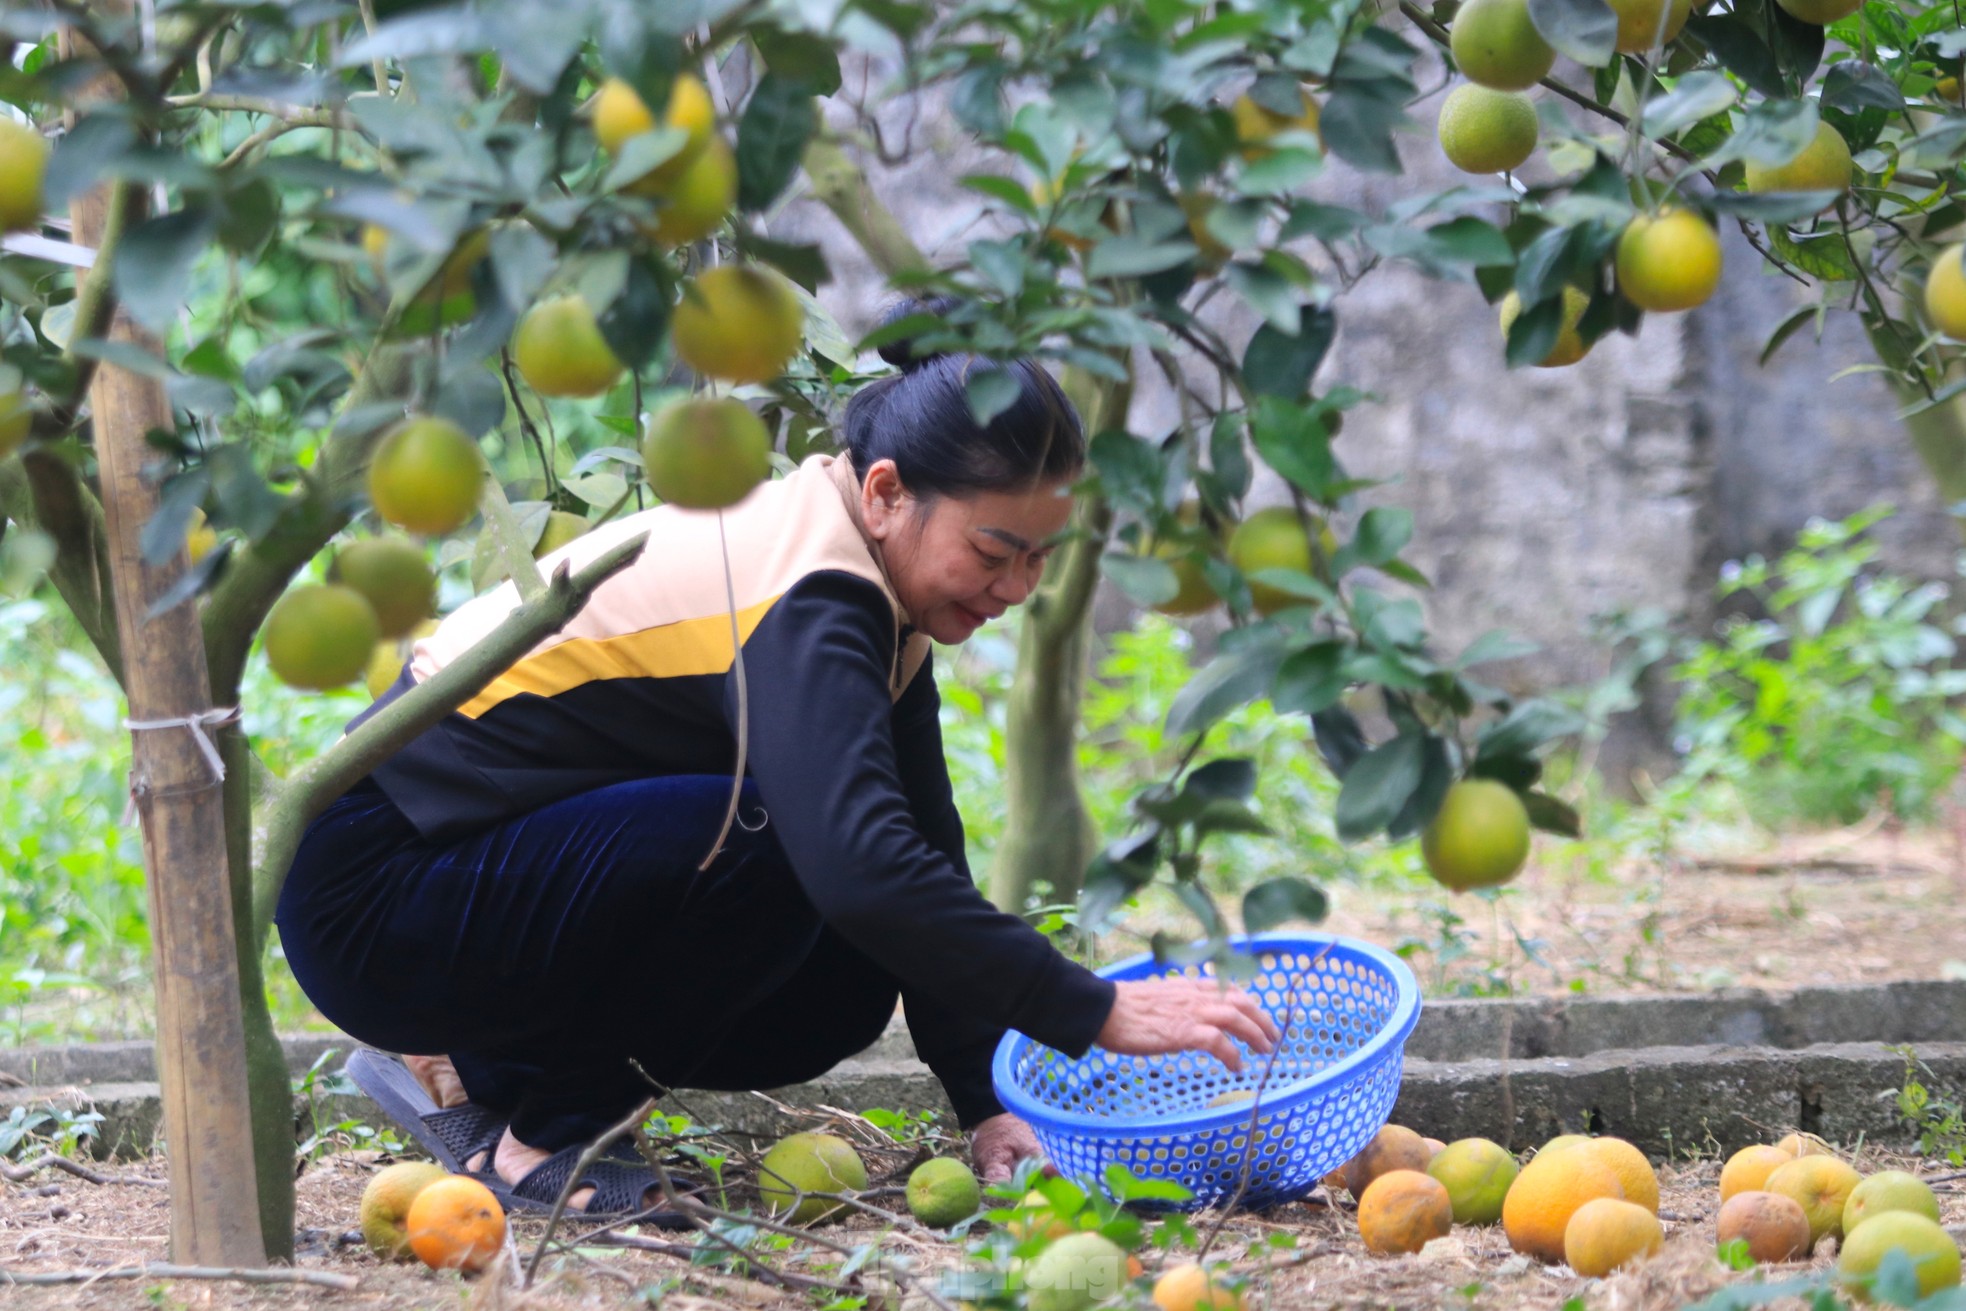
(177,794)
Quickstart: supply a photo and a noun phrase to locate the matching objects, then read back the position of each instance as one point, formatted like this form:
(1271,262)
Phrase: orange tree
(329,258)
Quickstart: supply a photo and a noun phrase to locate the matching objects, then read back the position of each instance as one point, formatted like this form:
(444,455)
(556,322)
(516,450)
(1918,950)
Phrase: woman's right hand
(1154,1017)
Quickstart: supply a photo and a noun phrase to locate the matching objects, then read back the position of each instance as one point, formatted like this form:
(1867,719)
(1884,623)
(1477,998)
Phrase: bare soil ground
(64,1224)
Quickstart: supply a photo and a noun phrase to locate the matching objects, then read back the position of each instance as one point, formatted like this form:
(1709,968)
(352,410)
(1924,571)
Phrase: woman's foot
(439,1078)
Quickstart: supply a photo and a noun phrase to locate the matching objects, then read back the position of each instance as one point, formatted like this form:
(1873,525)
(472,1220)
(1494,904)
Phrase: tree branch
(842,187)
(42,490)
(331,773)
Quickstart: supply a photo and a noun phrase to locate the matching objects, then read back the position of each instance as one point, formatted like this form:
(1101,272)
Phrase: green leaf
(1281,364)
(1772,207)
(1518,772)
(1009,190)
(803,264)
(779,119)
(1133,257)
(1280,901)
(1552,816)
(1771,134)
(1436,776)
(1378,785)
(1311,679)
(1231,680)
(642,153)
(990,392)
(1383,533)
(1232,778)
(1145,579)
(801,56)
(1527,727)
(1853,85)
(1788,328)
(1494,645)
(96,144)
(1269,294)
(638,319)
(1585,30)
(1295,444)
(1340,740)
(1534,333)
(1698,95)
(154,262)
(1740,50)
(1825,257)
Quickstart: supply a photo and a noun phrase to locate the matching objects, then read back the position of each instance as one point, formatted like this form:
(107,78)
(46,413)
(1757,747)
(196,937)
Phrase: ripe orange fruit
(425,476)
(1477,1174)
(1479,838)
(620,113)
(1803,1144)
(1403,1211)
(700,198)
(1889,1190)
(1821,1184)
(1394,1147)
(1668,262)
(1271,538)
(1496,44)
(393,576)
(1570,345)
(1256,124)
(320,636)
(1634,1172)
(1606,1233)
(456,1224)
(1547,1193)
(738,322)
(1191,1287)
(23,161)
(1748,1169)
(386,1203)
(1823,165)
(1934,1256)
(705,454)
(1773,1226)
(1563,1142)
(559,349)
(1638,23)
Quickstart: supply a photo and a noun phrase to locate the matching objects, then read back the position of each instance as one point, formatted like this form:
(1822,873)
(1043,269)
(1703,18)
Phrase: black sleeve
(956,1044)
(822,751)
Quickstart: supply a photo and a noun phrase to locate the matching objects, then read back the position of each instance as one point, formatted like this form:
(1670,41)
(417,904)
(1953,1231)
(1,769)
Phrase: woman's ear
(881,496)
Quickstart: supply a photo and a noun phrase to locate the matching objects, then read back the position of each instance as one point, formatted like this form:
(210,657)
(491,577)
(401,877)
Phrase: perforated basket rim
(1406,1013)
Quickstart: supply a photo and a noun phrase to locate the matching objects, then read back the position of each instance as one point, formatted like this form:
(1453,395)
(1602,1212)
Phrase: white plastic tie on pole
(217,717)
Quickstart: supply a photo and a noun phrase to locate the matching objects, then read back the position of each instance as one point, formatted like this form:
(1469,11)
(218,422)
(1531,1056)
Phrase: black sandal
(619,1188)
(453,1137)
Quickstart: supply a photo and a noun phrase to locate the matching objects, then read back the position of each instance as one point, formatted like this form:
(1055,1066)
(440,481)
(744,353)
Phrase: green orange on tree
(1669,261)
(738,323)
(23,162)
(393,576)
(1479,838)
(320,636)
(559,350)
(426,476)
(705,454)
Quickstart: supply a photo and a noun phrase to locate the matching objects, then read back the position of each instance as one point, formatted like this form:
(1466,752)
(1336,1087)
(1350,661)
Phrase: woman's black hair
(920,418)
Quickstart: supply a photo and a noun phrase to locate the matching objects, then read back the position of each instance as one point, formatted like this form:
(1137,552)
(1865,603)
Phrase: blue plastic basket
(1345,1008)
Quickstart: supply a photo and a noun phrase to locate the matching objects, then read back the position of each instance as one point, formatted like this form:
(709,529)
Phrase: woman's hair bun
(901,352)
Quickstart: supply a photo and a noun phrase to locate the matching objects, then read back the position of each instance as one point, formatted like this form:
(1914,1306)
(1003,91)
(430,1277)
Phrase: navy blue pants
(544,953)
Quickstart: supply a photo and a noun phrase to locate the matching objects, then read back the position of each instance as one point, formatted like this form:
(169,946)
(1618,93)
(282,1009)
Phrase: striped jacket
(844,745)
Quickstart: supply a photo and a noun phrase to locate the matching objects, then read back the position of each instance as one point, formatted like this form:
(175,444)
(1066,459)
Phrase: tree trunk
(201,1061)
(1047,836)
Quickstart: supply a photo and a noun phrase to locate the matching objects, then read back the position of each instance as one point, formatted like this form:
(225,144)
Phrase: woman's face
(958,562)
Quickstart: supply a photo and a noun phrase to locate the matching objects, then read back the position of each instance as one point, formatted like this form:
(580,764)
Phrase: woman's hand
(997,1144)
(1153,1017)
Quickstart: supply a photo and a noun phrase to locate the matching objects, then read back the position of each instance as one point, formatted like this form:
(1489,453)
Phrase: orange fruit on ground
(1821,1184)
(1748,1169)
(1933,1253)
(425,476)
(620,113)
(1773,1226)
(386,1202)
(1478,1174)
(1547,1193)
(1190,1287)
(319,636)
(1606,1233)
(738,322)
(1668,262)
(23,161)
(705,454)
(559,349)
(456,1224)
(1563,1142)
(1634,1172)
(395,578)
(1403,1211)
(1394,1147)
(700,198)
(1889,1190)
(1435,1146)
(1034,1216)
(1479,838)
(1804,1144)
